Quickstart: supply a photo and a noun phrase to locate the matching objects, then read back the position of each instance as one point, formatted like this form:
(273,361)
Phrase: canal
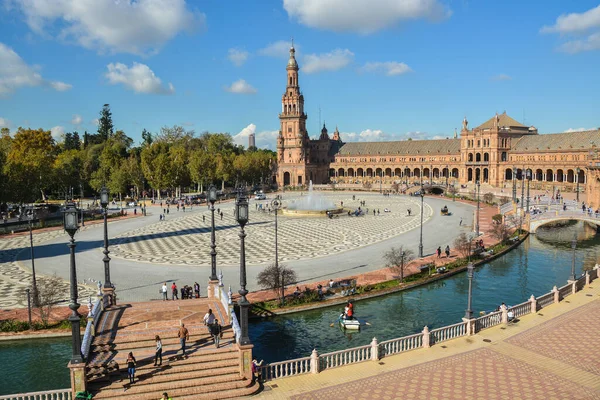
(542,261)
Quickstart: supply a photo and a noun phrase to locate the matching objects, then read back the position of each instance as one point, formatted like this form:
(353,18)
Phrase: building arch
(581,176)
(539,175)
(478,157)
(470,157)
(478,175)
(570,176)
(455,173)
(286,178)
(470,175)
(378,172)
(436,173)
(351,172)
(486,156)
(417,172)
(549,175)
(370,172)
(560,176)
(341,172)
(508,174)
(360,172)
(426,173)
(503,156)
(397,172)
(486,176)
(388,172)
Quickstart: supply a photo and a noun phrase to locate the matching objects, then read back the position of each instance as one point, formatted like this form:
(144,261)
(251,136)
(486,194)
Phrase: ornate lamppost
(577,189)
(104,203)
(422,193)
(71,225)
(276,205)
(573,247)
(528,182)
(81,204)
(241,213)
(212,198)
(477,221)
(469,312)
(33,280)
(514,182)
(447,173)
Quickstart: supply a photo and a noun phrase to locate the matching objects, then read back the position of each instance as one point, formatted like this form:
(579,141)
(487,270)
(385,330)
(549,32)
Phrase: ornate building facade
(495,152)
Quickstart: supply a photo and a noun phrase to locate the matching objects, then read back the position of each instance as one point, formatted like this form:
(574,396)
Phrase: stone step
(226,394)
(203,386)
(150,342)
(167,367)
(165,374)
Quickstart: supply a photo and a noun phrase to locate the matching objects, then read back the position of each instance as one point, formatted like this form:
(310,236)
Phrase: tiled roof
(557,141)
(412,147)
(505,120)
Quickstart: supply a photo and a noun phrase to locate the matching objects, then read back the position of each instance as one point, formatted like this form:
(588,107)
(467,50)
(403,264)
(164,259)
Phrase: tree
(453,190)
(156,165)
(488,197)
(500,230)
(49,293)
(395,187)
(147,138)
(68,168)
(201,166)
(105,123)
(463,244)
(174,134)
(397,259)
(276,277)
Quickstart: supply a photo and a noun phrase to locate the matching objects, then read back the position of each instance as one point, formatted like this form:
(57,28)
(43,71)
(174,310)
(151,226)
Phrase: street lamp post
(33,280)
(573,247)
(104,203)
(577,189)
(514,182)
(422,212)
(81,204)
(522,189)
(447,173)
(241,213)
(381,181)
(477,220)
(276,205)
(528,182)
(71,226)
(212,197)
(469,312)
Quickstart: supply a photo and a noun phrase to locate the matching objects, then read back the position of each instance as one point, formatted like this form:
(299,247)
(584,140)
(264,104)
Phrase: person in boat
(349,311)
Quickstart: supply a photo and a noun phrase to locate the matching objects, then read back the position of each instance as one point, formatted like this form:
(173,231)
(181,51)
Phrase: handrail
(521,309)
(90,329)
(400,345)
(545,300)
(565,290)
(488,320)
(447,332)
(282,369)
(344,357)
(224,300)
(59,394)
(235,325)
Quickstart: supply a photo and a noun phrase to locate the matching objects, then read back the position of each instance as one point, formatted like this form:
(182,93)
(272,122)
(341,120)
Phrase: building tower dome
(292,64)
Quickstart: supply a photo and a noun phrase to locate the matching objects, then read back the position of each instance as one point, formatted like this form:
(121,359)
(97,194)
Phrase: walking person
(174,292)
(217,332)
(204,218)
(158,355)
(164,291)
(209,318)
(131,367)
(256,373)
(439,251)
(183,335)
(165,396)
(447,251)
(197,289)
(460,223)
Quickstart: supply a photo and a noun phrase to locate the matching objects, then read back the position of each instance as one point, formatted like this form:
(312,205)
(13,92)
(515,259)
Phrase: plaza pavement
(318,249)
(547,355)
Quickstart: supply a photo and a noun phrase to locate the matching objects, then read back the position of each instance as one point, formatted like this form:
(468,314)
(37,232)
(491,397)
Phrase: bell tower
(293,142)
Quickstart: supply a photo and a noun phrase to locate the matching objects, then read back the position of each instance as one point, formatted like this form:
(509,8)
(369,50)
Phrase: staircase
(207,372)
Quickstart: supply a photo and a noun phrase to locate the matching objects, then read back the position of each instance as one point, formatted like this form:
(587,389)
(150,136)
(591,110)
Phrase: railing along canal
(375,351)
(60,394)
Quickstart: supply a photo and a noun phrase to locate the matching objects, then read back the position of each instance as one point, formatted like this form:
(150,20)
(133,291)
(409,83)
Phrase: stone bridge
(553,216)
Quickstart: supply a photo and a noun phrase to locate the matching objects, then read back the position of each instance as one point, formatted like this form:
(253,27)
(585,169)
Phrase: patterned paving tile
(479,374)
(567,338)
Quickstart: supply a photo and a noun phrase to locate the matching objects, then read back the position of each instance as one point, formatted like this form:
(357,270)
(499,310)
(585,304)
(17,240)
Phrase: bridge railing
(374,351)
(91,327)
(60,394)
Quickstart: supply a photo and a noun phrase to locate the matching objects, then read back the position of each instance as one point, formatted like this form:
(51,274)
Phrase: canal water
(542,261)
(534,267)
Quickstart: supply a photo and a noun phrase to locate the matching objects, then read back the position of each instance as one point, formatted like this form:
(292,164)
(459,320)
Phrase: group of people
(447,251)
(187,292)
(349,310)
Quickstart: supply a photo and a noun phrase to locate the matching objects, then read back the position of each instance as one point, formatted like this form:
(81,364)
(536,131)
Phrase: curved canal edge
(384,292)
(29,336)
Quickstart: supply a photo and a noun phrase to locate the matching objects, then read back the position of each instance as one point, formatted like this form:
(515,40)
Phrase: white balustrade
(282,369)
(400,345)
(345,357)
(224,300)
(60,394)
(565,290)
(545,300)
(235,325)
(448,332)
(488,320)
(521,309)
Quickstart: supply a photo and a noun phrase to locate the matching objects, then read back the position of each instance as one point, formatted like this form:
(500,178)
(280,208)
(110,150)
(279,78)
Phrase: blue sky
(378,69)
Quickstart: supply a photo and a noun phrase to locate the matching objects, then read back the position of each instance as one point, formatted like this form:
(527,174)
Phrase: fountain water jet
(312,204)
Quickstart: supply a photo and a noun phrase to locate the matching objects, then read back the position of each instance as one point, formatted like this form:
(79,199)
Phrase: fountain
(314,204)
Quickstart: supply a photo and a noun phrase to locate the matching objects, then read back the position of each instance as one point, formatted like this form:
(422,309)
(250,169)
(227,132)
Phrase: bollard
(556,294)
(426,338)
(587,278)
(533,304)
(374,350)
(504,314)
(314,362)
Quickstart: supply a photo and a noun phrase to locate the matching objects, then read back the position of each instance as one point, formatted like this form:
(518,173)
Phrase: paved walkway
(548,355)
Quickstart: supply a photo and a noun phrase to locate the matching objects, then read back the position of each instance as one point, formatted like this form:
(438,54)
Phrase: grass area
(14,325)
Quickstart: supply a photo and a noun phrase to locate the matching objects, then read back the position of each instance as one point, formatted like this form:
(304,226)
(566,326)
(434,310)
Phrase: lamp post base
(245,354)
(78,379)
(210,289)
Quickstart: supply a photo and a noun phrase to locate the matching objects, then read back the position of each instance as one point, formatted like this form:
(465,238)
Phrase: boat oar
(331,325)
(366,323)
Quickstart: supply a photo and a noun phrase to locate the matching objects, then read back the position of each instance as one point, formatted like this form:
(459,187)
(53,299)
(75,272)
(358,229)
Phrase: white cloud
(592,42)
(279,49)
(76,120)
(362,16)
(237,57)
(187,123)
(390,68)
(501,77)
(368,135)
(578,129)
(15,73)
(58,132)
(137,27)
(139,78)
(333,61)
(241,87)
(95,121)
(575,22)
(4,123)
(263,140)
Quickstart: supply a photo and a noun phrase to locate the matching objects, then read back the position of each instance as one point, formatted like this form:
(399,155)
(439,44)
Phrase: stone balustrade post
(556,294)
(574,287)
(588,278)
(470,326)
(533,302)
(426,338)
(314,362)
(374,349)
(504,310)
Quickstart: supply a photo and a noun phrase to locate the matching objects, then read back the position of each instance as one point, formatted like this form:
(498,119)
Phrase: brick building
(493,153)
